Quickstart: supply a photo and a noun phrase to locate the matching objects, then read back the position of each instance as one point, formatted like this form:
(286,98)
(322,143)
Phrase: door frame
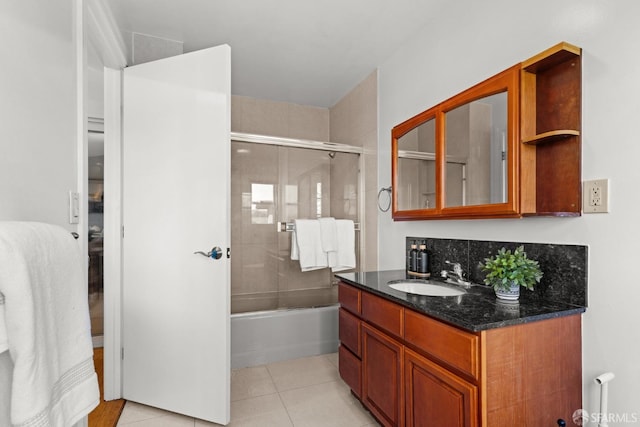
(112,232)
(95,24)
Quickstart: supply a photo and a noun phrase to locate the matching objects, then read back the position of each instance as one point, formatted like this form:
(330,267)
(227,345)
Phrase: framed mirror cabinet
(506,147)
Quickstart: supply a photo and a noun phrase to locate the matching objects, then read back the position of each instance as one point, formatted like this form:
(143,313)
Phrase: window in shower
(319,200)
(262,203)
(270,184)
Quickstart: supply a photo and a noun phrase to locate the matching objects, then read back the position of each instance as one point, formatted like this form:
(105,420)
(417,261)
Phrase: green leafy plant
(508,267)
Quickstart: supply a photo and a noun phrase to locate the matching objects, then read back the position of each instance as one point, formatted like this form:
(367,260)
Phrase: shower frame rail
(282,226)
(296,143)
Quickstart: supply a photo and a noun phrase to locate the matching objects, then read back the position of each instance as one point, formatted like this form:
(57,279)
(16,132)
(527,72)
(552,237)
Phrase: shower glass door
(270,184)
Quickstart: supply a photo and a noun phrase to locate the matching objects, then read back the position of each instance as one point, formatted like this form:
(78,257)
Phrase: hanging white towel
(306,245)
(46,325)
(329,239)
(346,239)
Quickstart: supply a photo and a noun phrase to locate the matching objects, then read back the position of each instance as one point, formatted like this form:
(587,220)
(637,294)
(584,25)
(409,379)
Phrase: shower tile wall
(354,121)
(264,117)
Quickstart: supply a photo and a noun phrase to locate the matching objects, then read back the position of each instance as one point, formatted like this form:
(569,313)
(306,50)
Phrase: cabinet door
(382,376)
(437,397)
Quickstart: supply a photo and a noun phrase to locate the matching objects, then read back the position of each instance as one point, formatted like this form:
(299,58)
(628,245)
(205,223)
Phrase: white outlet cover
(595,187)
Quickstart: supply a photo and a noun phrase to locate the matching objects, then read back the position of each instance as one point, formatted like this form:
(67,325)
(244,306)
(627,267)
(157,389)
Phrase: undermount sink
(425,288)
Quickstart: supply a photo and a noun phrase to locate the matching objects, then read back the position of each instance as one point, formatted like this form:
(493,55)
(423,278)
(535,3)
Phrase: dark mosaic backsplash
(564,266)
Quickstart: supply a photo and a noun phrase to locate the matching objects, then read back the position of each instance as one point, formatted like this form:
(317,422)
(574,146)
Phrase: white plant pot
(512,294)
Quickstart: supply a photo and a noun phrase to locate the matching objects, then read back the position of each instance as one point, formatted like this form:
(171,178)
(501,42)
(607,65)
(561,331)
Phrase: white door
(175,306)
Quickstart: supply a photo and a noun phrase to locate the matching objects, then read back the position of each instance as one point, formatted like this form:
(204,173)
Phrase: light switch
(74,207)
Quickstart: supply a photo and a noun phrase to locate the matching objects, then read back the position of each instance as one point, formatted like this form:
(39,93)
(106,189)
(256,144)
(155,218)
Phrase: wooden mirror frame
(509,81)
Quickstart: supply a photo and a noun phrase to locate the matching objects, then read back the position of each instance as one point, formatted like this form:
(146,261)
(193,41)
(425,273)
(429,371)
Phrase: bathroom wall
(38,147)
(483,38)
(95,83)
(274,118)
(143,48)
(354,120)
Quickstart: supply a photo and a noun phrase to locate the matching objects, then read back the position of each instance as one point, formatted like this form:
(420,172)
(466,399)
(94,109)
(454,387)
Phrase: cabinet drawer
(349,298)
(461,350)
(384,314)
(349,331)
(349,367)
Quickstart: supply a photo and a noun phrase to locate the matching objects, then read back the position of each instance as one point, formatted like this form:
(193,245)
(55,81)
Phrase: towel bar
(290,226)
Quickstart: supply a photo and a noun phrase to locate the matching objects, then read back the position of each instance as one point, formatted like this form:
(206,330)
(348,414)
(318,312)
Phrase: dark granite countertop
(477,310)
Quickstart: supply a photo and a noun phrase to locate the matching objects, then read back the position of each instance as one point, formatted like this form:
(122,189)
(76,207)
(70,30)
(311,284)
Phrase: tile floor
(302,392)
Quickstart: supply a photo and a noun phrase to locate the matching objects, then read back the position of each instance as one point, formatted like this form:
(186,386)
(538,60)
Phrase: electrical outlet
(595,196)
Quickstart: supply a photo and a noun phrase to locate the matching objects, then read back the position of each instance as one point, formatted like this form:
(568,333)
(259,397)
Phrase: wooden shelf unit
(550,124)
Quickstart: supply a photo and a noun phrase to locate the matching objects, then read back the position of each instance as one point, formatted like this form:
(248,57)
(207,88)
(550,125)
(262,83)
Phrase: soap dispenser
(413,257)
(423,258)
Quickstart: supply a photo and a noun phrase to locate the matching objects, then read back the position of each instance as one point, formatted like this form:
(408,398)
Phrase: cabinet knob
(562,423)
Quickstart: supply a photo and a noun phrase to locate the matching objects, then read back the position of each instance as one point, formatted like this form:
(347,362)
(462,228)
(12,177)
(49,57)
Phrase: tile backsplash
(565,267)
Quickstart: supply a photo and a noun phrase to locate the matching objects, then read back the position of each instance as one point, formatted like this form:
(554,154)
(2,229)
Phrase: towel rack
(290,226)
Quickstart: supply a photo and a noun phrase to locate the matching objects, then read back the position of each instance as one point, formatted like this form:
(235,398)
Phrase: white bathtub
(270,336)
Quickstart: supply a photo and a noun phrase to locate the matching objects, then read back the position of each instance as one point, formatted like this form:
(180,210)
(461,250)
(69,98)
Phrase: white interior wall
(38,148)
(95,83)
(466,43)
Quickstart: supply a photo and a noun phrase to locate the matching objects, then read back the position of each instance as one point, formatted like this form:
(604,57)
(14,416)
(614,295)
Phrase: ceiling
(300,51)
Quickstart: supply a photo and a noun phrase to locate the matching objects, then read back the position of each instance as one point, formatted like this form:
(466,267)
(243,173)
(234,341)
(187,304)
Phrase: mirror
(417,167)
(459,159)
(476,152)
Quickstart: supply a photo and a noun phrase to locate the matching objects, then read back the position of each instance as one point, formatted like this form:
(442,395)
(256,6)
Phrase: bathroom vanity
(466,360)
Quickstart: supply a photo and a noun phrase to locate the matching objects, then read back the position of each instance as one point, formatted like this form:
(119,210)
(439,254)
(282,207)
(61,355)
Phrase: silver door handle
(214,253)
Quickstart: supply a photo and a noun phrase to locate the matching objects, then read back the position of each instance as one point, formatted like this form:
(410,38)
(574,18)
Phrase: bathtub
(264,337)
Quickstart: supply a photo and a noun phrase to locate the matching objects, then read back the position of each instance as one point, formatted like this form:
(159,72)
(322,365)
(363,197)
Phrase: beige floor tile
(333,358)
(298,373)
(137,415)
(251,382)
(328,404)
(135,412)
(262,411)
(311,394)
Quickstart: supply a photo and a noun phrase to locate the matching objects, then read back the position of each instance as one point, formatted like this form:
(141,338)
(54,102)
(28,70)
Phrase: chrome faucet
(455,275)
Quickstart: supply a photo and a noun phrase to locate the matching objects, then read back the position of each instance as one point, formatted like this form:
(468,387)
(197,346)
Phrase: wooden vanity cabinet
(413,370)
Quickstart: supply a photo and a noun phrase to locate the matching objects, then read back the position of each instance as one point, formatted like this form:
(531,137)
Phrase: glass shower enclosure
(274,183)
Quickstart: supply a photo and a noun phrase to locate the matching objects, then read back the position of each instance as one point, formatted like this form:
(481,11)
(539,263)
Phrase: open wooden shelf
(550,123)
(551,57)
(551,136)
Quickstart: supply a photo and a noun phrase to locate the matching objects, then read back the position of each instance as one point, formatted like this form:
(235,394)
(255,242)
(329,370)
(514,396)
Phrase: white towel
(329,239)
(306,245)
(346,238)
(46,325)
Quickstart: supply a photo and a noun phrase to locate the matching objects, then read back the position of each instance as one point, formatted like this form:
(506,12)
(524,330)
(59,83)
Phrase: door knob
(214,253)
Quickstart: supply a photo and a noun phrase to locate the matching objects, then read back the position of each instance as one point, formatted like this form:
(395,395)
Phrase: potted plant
(507,271)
